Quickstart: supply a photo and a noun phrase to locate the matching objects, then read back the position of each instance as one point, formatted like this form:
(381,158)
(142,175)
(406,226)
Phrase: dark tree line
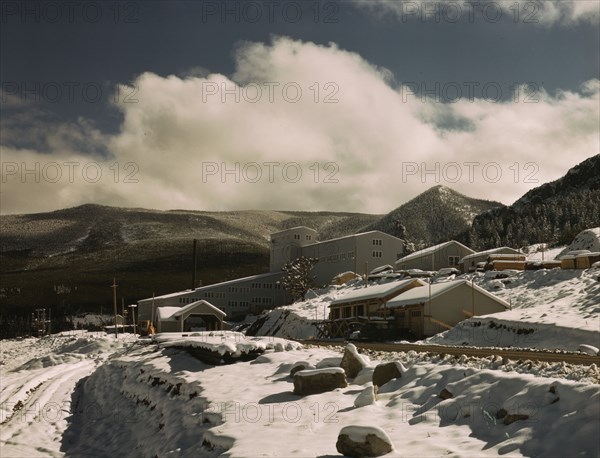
(556,220)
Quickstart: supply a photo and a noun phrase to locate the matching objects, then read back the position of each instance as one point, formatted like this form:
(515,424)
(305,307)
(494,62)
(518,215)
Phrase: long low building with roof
(236,298)
(469,262)
(428,310)
(443,255)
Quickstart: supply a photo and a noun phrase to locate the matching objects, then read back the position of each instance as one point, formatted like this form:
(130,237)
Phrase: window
(296,236)
(334,258)
(360,310)
(350,254)
(377,242)
(309,237)
(343,256)
(377,254)
(415,313)
(453,261)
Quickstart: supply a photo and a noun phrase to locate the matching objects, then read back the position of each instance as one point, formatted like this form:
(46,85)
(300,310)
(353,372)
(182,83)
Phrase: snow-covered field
(89,395)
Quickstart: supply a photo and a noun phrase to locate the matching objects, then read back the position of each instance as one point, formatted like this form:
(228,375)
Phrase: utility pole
(114,287)
(195,267)
(132,307)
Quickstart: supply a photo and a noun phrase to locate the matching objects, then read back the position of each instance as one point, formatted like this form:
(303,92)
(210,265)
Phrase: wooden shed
(585,260)
(428,310)
(569,260)
(469,263)
(200,314)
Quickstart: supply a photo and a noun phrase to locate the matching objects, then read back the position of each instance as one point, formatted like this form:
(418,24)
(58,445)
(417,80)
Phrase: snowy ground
(142,398)
(551,309)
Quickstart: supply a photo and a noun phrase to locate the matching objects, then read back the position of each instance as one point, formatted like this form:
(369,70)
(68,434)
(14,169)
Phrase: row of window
(377,242)
(236,289)
(306,237)
(264,286)
(262,300)
(337,257)
(235,304)
(377,254)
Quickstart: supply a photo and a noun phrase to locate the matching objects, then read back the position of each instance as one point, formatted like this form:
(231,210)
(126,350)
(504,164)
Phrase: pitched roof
(430,250)
(492,251)
(420,294)
(171,313)
(214,285)
(374,292)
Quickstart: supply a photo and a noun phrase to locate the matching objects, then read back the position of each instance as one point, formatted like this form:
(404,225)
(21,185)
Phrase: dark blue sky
(96,42)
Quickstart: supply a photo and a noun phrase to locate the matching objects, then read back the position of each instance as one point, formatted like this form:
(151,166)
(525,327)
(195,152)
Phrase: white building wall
(235,298)
(287,245)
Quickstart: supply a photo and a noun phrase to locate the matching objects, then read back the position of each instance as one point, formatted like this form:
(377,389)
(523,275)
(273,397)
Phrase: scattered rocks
(319,380)
(352,362)
(385,372)
(361,441)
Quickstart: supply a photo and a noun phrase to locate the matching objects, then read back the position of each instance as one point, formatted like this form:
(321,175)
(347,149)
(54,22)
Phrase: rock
(361,441)
(385,372)
(588,349)
(352,362)
(445,394)
(511,418)
(319,380)
(366,397)
(300,366)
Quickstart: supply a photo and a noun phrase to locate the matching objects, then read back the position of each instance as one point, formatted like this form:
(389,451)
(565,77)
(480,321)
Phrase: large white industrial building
(253,294)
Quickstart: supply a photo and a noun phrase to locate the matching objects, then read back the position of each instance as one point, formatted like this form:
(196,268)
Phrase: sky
(354,106)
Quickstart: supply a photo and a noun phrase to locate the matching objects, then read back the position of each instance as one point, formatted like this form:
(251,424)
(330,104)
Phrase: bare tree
(297,279)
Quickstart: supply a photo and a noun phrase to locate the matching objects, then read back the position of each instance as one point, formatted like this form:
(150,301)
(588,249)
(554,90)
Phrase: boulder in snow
(385,372)
(589,349)
(300,366)
(360,441)
(366,397)
(319,380)
(352,362)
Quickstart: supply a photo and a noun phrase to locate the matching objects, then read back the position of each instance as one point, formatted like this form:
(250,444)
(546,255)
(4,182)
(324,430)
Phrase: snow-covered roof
(214,285)
(488,252)
(420,294)
(294,229)
(373,292)
(430,250)
(171,313)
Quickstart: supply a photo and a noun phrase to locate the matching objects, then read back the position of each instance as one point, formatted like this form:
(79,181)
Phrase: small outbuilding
(447,254)
(428,310)
(200,314)
(469,262)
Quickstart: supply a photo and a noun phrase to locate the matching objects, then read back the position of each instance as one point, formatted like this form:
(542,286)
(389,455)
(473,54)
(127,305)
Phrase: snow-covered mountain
(434,216)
